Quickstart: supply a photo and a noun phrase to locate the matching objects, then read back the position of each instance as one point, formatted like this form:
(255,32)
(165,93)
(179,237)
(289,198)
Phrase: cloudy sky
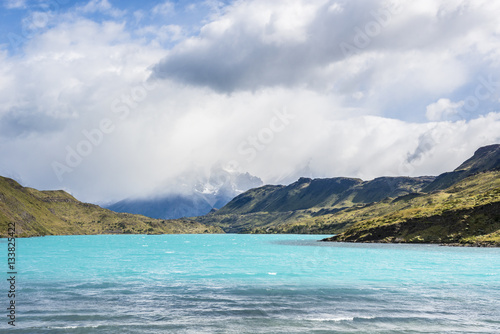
(110,99)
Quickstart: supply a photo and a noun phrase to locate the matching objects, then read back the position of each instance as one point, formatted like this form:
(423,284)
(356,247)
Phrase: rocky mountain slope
(308,193)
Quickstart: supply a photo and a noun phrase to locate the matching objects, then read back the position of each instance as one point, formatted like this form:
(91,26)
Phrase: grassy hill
(457,207)
(38,213)
(466,213)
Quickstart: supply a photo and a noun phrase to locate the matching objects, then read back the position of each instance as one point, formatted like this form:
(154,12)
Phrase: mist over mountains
(193,194)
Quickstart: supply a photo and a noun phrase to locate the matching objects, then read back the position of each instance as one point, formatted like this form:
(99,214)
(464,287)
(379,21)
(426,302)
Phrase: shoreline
(453,244)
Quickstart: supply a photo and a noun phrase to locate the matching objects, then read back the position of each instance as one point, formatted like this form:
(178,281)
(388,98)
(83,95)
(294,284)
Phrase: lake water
(250,284)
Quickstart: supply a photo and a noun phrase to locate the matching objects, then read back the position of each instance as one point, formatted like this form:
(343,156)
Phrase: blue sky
(18,14)
(114,99)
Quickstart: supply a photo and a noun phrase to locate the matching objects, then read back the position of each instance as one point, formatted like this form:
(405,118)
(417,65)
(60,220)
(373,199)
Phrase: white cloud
(163,34)
(37,21)
(102,6)
(139,15)
(443,109)
(164,9)
(418,52)
(15,4)
(222,92)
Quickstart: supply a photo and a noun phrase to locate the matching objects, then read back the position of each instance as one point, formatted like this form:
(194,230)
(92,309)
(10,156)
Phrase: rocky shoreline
(452,244)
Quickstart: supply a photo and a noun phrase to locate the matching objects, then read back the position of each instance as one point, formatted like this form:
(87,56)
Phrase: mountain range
(465,200)
(460,207)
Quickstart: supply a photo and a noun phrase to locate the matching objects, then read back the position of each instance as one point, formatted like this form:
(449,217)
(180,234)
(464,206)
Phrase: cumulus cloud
(395,58)
(108,112)
(392,54)
(443,109)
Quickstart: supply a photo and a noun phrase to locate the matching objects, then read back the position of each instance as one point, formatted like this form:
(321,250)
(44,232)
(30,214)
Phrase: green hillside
(465,213)
(38,213)
(457,207)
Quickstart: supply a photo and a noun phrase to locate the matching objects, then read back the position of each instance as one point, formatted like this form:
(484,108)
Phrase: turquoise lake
(250,284)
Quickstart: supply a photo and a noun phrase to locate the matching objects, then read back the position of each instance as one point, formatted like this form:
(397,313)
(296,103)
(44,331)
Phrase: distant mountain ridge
(166,207)
(191,196)
(340,192)
(333,192)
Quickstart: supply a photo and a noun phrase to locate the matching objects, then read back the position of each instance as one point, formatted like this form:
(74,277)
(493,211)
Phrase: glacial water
(249,284)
